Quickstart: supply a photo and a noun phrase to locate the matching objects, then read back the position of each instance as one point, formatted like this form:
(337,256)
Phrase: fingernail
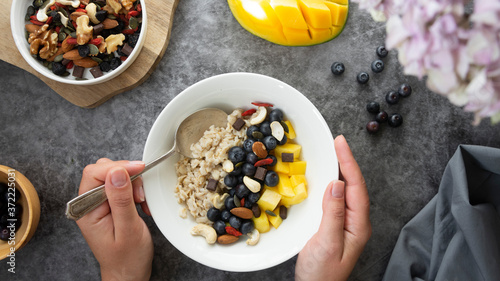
(141,194)
(136,162)
(119,177)
(338,189)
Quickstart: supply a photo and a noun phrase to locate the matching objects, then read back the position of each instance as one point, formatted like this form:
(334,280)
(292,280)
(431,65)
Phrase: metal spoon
(189,131)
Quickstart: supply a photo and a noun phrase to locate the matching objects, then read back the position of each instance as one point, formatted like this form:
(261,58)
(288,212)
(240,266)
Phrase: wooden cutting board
(160,18)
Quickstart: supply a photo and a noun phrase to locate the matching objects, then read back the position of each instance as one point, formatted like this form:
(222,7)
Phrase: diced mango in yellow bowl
(292,22)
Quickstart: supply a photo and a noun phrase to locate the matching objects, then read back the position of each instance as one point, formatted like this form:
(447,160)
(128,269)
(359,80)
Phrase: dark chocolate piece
(212,184)
(96,71)
(260,173)
(78,71)
(65,61)
(238,124)
(127,50)
(287,157)
(283,212)
(98,28)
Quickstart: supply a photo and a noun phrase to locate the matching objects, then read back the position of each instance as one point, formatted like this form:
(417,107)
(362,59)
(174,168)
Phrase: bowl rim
(20,41)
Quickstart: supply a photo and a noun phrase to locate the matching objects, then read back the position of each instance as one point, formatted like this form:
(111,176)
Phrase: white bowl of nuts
(79,42)
(205,230)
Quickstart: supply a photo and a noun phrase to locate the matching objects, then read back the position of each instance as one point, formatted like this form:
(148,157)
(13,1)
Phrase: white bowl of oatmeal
(229,92)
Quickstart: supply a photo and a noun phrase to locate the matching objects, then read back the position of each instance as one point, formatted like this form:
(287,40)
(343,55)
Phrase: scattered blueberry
(4,233)
(58,68)
(395,120)
(220,227)
(230,181)
(236,154)
(252,158)
(338,68)
(246,227)
(115,63)
(248,170)
(247,144)
(252,129)
(373,107)
(283,140)
(229,203)
(213,214)
(404,90)
(363,77)
(372,127)
(381,117)
(270,142)
(225,215)
(276,115)
(241,191)
(235,222)
(83,50)
(382,52)
(236,171)
(253,197)
(392,97)
(271,179)
(105,66)
(377,66)
(265,128)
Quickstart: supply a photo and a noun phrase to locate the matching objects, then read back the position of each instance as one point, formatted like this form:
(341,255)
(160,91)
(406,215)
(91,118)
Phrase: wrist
(124,275)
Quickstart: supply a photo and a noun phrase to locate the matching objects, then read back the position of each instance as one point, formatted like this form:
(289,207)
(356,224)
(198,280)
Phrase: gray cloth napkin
(457,235)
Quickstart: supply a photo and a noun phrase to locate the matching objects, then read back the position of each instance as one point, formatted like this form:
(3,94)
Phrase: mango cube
(296,36)
(338,13)
(298,179)
(288,148)
(297,168)
(274,188)
(261,223)
(289,13)
(269,200)
(316,13)
(275,220)
(291,132)
(281,167)
(285,186)
(340,2)
(300,195)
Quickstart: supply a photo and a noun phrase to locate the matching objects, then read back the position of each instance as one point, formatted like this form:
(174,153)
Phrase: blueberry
(83,50)
(236,154)
(253,197)
(115,63)
(274,160)
(252,158)
(270,142)
(373,107)
(105,66)
(230,181)
(229,203)
(213,214)
(283,140)
(235,222)
(241,191)
(248,170)
(248,204)
(58,68)
(381,117)
(404,90)
(250,131)
(246,227)
(382,52)
(247,144)
(363,77)
(372,127)
(377,66)
(101,15)
(395,120)
(231,192)
(225,215)
(392,97)
(276,115)
(132,40)
(271,179)
(338,68)
(265,128)
(240,178)
(220,227)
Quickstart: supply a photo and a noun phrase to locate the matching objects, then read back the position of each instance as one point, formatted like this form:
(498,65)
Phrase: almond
(86,62)
(227,239)
(259,149)
(65,46)
(72,55)
(242,212)
(109,23)
(32,27)
(76,15)
(59,52)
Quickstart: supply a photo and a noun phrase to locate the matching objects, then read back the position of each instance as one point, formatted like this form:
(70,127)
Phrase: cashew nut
(74,3)
(254,237)
(252,184)
(218,201)
(64,19)
(206,231)
(277,130)
(91,10)
(83,30)
(227,166)
(42,12)
(259,116)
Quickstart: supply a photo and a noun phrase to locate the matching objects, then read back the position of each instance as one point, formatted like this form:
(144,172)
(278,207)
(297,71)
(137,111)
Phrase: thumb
(121,201)
(331,229)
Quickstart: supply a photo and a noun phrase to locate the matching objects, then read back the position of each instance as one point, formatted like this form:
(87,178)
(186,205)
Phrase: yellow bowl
(31,210)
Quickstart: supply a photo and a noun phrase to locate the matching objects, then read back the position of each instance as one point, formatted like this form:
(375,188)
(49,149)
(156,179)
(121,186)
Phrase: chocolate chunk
(96,71)
(98,28)
(127,50)
(283,212)
(287,157)
(238,124)
(212,184)
(65,61)
(78,71)
(260,173)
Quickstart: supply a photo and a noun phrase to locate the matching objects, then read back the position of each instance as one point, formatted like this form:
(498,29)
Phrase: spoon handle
(88,201)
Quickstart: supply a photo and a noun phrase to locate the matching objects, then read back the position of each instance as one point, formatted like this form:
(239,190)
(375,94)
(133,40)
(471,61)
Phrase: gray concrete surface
(51,141)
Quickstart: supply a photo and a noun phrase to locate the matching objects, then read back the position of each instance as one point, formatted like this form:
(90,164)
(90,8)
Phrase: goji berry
(81,10)
(249,112)
(82,6)
(74,24)
(263,162)
(133,13)
(71,40)
(242,202)
(96,41)
(129,31)
(58,29)
(265,104)
(33,17)
(36,22)
(69,65)
(49,20)
(231,230)
(139,8)
(123,58)
(52,8)
(60,5)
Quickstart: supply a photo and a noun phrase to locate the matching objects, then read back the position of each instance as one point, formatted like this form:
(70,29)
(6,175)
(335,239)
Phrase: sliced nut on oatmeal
(228,166)
(206,231)
(251,184)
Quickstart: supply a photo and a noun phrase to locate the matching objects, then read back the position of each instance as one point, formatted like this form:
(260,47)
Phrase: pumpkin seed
(65,74)
(237,201)
(133,23)
(67,30)
(38,3)
(270,213)
(49,66)
(96,59)
(93,50)
(58,58)
(258,135)
(45,63)
(26,17)
(30,11)
(63,11)
(71,27)
(80,79)
(73,34)
(285,126)
(111,16)
(62,36)
(239,164)
(45,4)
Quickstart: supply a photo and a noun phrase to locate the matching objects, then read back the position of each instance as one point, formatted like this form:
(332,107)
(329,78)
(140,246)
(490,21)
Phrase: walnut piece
(113,41)
(83,30)
(128,4)
(44,39)
(115,5)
